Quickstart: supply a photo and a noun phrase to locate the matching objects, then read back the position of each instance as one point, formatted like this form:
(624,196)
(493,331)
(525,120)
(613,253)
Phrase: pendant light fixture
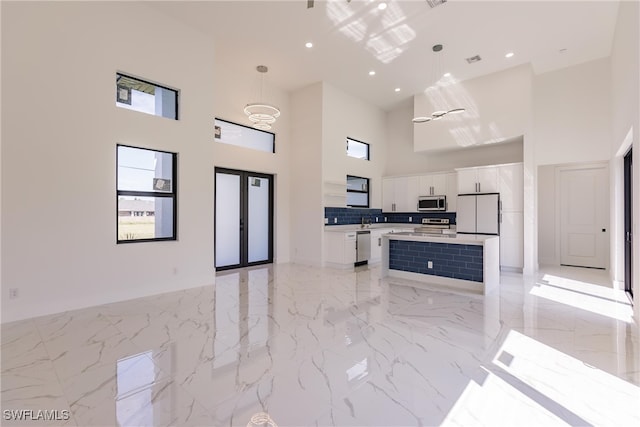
(437,115)
(262,114)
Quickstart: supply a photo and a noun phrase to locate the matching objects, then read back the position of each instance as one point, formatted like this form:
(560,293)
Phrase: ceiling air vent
(473,59)
(436,3)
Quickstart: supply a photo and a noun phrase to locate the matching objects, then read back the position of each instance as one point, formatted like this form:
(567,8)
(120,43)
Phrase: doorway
(628,223)
(243,218)
(584,216)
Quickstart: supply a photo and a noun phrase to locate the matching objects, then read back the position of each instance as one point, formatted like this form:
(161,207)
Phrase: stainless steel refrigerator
(478,214)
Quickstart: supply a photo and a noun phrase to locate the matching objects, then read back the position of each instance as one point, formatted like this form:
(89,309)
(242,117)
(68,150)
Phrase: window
(146,194)
(145,97)
(244,136)
(357,191)
(357,149)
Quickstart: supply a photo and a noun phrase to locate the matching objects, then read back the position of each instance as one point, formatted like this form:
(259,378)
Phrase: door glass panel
(258,220)
(227,219)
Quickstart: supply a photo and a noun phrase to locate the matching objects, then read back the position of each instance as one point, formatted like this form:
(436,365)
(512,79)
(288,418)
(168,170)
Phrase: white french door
(243,218)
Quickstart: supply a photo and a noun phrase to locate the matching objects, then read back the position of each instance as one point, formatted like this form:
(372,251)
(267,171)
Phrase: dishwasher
(363,247)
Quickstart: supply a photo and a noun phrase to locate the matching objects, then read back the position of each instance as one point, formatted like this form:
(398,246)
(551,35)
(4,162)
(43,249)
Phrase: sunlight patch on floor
(585,296)
(527,384)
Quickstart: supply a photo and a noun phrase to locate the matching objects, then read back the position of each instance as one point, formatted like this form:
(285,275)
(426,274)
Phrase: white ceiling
(352,38)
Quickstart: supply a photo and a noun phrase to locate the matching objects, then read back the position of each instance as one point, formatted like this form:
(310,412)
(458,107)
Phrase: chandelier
(262,114)
(437,115)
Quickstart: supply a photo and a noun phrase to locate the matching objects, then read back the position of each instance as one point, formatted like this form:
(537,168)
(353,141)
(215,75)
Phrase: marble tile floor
(322,347)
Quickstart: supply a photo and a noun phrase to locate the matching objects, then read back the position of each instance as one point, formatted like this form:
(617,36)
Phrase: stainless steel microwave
(432,203)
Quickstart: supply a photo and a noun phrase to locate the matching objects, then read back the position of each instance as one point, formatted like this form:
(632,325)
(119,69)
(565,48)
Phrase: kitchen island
(469,262)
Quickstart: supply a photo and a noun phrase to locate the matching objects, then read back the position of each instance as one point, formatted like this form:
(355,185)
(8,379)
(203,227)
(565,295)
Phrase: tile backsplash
(343,216)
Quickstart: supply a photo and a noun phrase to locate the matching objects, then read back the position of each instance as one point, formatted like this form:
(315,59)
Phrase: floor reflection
(311,346)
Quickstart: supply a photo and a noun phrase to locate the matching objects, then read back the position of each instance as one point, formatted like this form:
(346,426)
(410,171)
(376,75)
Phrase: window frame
(359,192)
(273,150)
(368,158)
(135,193)
(129,76)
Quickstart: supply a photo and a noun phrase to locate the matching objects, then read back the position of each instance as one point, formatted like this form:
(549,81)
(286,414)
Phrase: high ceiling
(352,38)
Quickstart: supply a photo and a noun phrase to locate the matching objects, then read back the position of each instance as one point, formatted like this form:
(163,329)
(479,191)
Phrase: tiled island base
(469,262)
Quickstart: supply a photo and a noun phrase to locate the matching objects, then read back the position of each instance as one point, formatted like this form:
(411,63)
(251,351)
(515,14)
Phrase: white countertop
(375,226)
(456,239)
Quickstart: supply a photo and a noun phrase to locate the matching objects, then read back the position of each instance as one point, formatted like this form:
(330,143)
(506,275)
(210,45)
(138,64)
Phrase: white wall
(401,159)
(625,96)
(572,114)
(306,175)
(59,135)
(233,90)
(498,107)
(547,215)
(347,116)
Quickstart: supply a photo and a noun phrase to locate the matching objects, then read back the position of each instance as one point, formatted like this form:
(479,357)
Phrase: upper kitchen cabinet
(440,184)
(478,180)
(432,185)
(511,187)
(400,194)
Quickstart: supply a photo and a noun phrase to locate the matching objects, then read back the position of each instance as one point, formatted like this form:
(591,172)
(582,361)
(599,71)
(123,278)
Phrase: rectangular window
(357,149)
(145,97)
(357,192)
(146,194)
(243,136)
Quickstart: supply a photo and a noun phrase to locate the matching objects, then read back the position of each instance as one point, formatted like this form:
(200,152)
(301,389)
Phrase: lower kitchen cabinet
(511,241)
(339,249)
(376,244)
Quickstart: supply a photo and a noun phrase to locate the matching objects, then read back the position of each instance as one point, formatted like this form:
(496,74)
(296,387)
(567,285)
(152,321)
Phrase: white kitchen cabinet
(340,249)
(438,184)
(511,241)
(434,184)
(400,194)
(388,194)
(376,244)
(511,187)
(478,180)
(451,191)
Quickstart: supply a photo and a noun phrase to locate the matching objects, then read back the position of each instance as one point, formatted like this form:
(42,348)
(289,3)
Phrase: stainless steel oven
(432,203)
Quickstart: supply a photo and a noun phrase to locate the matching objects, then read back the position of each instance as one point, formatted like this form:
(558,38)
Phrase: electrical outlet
(376,219)
(385,219)
(410,219)
(429,264)
(335,220)
(326,220)
(13,293)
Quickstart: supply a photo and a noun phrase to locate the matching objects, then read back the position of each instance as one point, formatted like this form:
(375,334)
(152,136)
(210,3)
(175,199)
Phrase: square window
(146,194)
(357,191)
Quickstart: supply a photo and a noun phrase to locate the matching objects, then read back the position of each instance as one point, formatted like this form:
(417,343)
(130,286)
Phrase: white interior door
(584,219)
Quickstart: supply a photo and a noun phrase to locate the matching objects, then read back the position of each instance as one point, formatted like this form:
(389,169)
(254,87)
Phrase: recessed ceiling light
(397,89)
(372,73)
(509,55)
(308,44)
(447,74)
(382,6)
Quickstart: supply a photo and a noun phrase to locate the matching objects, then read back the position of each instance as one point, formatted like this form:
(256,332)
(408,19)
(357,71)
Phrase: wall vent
(473,59)
(436,3)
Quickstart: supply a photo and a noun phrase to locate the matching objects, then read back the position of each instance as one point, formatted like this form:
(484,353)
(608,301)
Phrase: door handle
(628,236)
(379,241)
